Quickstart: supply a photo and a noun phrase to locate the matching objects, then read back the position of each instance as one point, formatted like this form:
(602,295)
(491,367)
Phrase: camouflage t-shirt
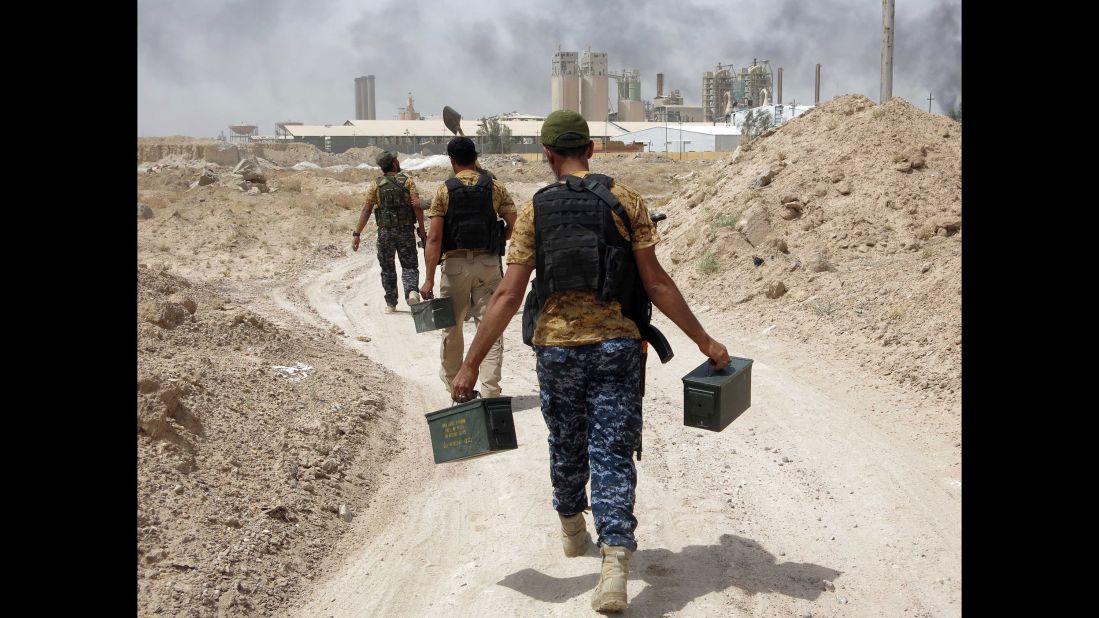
(576,317)
(501,199)
(372,189)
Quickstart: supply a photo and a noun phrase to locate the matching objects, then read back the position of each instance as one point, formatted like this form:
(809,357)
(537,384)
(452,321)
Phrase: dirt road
(832,475)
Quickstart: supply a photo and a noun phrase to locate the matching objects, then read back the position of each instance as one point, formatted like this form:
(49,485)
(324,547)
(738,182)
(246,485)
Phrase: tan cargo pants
(470,279)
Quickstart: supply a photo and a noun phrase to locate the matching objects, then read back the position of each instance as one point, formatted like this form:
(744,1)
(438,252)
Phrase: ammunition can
(472,429)
(713,399)
(433,314)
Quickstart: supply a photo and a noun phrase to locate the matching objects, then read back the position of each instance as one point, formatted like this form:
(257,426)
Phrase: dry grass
(822,308)
(708,265)
(352,175)
(346,201)
(727,220)
(292,184)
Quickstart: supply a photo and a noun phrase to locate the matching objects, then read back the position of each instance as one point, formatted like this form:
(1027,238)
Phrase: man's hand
(355,243)
(719,356)
(461,388)
(422,233)
(425,289)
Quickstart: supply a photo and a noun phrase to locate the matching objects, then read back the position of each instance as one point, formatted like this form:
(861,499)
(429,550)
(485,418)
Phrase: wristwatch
(355,233)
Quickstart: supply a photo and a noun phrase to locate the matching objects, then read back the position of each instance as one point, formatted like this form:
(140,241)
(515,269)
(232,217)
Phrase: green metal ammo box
(433,314)
(472,429)
(712,400)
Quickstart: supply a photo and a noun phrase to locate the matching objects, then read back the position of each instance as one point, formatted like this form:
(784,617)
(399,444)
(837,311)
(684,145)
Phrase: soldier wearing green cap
(592,244)
(398,209)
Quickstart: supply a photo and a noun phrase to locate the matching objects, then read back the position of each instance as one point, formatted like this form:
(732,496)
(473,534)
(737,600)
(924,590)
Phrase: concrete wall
(726,143)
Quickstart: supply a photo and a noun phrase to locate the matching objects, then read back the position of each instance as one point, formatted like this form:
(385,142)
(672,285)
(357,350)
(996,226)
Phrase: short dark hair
(462,150)
(391,167)
(576,152)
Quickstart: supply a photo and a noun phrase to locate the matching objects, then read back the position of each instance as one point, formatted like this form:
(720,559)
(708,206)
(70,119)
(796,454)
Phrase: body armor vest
(470,220)
(394,203)
(578,246)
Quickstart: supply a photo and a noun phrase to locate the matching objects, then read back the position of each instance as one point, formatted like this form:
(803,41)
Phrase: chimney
(659,85)
(886,51)
(816,90)
(780,85)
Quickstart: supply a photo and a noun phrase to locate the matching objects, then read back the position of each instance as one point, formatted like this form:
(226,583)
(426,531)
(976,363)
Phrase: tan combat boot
(574,535)
(610,593)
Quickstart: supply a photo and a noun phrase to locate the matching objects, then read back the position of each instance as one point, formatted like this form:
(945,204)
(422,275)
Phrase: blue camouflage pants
(592,406)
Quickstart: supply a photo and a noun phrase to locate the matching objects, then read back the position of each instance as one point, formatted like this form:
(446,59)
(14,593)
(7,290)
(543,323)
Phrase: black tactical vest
(578,246)
(394,203)
(470,220)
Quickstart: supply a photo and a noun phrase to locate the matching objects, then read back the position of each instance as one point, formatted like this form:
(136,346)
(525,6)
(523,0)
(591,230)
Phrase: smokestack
(816,90)
(659,85)
(780,85)
(371,111)
(886,51)
(359,98)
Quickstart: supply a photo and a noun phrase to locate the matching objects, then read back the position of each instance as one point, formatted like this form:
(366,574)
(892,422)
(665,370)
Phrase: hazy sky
(204,64)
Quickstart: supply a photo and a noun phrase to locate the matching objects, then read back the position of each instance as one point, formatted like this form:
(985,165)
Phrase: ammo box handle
(712,372)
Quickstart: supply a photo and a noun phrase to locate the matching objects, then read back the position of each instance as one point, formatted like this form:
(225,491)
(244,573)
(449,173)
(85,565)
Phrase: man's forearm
(433,247)
(364,216)
(432,253)
(419,216)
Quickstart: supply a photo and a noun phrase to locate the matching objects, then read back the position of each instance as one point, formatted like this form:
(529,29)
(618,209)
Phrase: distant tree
(956,113)
(495,136)
(755,124)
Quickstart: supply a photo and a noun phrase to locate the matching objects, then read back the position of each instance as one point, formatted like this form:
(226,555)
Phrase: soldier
(595,257)
(466,230)
(398,205)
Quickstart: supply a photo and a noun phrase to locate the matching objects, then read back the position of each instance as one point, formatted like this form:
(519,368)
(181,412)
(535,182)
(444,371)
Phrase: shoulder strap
(604,196)
(454,183)
(484,180)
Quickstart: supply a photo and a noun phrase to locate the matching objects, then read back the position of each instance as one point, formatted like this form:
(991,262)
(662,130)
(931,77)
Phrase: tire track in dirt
(725,523)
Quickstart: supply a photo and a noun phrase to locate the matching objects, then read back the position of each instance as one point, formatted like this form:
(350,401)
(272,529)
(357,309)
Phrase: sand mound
(242,464)
(855,209)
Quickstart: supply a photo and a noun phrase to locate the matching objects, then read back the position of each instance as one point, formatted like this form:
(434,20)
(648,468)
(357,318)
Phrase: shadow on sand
(525,402)
(676,579)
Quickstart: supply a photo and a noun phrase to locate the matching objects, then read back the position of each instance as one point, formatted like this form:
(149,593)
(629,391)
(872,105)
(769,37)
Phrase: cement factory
(578,82)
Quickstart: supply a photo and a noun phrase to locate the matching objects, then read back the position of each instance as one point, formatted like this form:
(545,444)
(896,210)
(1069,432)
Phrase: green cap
(565,129)
(385,159)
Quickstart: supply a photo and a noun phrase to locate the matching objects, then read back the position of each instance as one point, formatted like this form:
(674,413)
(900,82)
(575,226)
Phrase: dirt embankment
(250,438)
(855,211)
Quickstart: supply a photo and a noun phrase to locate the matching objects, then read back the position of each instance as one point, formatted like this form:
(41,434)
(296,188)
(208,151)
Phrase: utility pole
(886,51)
(929,100)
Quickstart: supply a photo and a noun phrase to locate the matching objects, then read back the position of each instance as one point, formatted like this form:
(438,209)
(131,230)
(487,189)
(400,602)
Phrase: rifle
(649,333)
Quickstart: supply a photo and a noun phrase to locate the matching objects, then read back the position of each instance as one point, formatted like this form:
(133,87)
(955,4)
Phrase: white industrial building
(674,137)
(430,136)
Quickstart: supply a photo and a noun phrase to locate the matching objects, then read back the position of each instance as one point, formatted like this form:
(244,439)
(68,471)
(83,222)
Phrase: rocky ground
(279,468)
